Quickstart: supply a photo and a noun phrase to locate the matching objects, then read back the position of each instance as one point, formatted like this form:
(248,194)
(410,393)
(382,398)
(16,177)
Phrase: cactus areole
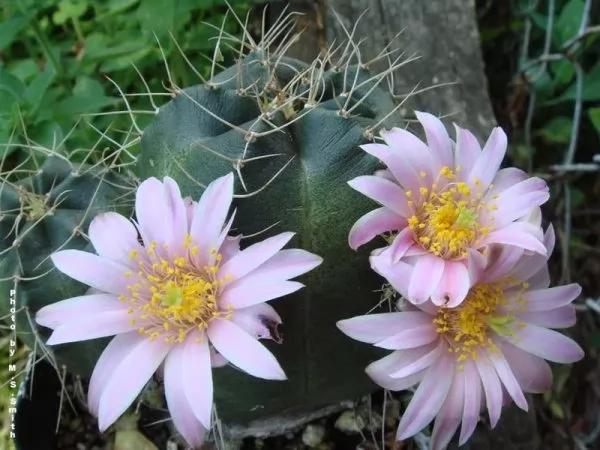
(292,132)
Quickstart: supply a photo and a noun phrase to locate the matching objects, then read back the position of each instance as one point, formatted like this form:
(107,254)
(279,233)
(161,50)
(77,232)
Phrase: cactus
(45,211)
(291,131)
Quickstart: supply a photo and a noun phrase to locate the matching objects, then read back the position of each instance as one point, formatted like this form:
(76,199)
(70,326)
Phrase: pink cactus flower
(493,346)
(186,296)
(445,201)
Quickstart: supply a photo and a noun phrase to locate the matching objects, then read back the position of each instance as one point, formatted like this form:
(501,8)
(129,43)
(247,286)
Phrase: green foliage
(55,54)
(48,211)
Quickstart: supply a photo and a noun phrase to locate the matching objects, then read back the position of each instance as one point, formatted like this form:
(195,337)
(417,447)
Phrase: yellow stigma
(171,297)
(469,327)
(447,222)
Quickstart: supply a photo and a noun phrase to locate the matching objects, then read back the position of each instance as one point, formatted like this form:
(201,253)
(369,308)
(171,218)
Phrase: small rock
(313,435)
(259,444)
(349,422)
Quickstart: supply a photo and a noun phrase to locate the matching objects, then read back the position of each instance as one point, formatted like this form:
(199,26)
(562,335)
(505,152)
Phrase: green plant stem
(41,38)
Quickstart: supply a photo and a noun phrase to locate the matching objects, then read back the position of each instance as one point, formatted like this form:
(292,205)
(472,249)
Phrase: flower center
(470,326)
(172,296)
(446,222)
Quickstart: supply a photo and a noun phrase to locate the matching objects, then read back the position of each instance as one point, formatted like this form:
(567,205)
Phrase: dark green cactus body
(51,211)
(317,148)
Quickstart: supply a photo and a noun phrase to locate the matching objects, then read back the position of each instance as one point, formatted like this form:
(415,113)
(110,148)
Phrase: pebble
(313,435)
(350,422)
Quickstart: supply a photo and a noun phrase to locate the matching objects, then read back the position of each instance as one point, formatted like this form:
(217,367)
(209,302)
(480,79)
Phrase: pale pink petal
(128,378)
(152,213)
(385,173)
(551,298)
(181,412)
(116,350)
(518,200)
(519,234)
(563,317)
(398,275)
(533,374)
(178,216)
(73,309)
(411,337)
(257,320)
(502,260)
(476,264)
(102,324)
(230,247)
(197,376)
(541,280)
(216,359)
(248,293)
(384,192)
(284,265)
(113,237)
(210,215)
(437,138)
(212,257)
(506,178)
(467,151)
(472,401)
(190,210)
(428,398)
(550,345)
(373,328)
(415,152)
(508,379)
(402,242)
(492,387)
(426,276)
(373,224)
(252,257)
(93,270)
(449,417)
(244,351)
(453,286)
(487,165)
(420,364)
(402,171)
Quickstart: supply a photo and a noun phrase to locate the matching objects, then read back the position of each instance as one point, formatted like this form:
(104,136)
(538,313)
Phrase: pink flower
(464,359)
(445,201)
(186,296)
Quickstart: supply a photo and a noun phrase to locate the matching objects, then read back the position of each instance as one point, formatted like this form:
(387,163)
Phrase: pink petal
(230,247)
(533,374)
(197,376)
(467,150)
(426,276)
(506,178)
(93,270)
(72,309)
(398,275)
(372,224)
(488,163)
(402,242)
(448,419)
(453,286)
(178,216)
(491,387)
(420,364)
(428,398)
(248,292)
(244,351)
(128,378)
(216,359)
(116,350)
(519,234)
(519,200)
(181,412)
(416,153)
(563,317)
(406,175)
(384,192)
(210,216)
(472,401)
(152,213)
(252,257)
(284,265)
(437,138)
(107,323)
(508,379)
(411,337)
(555,297)
(113,237)
(373,328)
(254,320)
(502,260)
(547,344)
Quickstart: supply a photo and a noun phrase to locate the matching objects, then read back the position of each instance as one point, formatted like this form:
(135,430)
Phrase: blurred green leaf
(156,16)
(563,72)
(577,197)
(568,21)
(590,90)
(88,97)
(11,85)
(69,9)
(10,28)
(37,88)
(594,116)
(557,130)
